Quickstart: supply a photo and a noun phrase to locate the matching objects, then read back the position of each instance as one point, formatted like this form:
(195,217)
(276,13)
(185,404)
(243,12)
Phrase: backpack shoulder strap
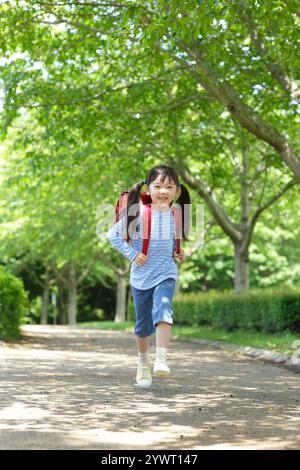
(177,218)
(146,223)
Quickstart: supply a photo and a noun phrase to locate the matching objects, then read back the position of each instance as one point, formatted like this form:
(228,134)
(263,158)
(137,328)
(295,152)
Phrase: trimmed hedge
(13,304)
(268,310)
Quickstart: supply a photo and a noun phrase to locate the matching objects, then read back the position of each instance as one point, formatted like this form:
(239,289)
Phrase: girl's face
(163,192)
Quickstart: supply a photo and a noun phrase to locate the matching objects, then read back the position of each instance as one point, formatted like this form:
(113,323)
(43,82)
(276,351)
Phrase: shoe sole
(143,386)
(161,374)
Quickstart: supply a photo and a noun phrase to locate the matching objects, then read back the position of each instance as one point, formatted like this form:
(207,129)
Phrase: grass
(280,342)
(107,325)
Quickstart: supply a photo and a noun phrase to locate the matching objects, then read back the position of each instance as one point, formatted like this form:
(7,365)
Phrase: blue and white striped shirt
(160,264)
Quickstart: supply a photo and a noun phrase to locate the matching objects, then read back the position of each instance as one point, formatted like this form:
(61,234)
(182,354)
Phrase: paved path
(72,388)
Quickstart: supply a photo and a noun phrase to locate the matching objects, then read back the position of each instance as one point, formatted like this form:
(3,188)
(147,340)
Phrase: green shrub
(290,311)
(267,310)
(13,304)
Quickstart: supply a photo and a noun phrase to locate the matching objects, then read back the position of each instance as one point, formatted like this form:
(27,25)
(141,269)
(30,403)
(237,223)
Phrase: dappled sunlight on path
(72,388)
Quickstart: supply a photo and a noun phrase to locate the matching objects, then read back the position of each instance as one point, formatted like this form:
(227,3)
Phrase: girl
(153,277)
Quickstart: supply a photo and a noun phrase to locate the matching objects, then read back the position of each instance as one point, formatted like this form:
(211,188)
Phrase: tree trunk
(72,295)
(120,315)
(45,304)
(241,280)
(62,305)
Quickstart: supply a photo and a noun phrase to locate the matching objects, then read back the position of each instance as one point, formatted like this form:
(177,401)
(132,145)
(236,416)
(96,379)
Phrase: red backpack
(146,219)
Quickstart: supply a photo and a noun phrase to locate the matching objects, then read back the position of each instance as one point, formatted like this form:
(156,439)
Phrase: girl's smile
(162,192)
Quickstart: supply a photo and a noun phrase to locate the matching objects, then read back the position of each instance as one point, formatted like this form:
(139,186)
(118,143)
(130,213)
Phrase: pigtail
(184,202)
(133,198)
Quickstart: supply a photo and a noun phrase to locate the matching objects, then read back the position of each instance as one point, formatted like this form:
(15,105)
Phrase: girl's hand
(181,256)
(140,259)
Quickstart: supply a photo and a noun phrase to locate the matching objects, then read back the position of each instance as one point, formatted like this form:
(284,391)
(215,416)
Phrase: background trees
(95,93)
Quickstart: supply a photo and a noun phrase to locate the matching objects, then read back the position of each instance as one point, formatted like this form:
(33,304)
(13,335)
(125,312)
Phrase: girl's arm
(115,237)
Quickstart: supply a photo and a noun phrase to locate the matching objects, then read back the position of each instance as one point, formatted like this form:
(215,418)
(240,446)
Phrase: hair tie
(145,182)
(180,185)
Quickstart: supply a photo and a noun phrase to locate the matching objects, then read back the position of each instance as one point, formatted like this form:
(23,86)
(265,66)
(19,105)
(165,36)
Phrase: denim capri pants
(152,306)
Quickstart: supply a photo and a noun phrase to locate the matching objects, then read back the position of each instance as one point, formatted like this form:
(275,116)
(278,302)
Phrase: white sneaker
(160,369)
(143,375)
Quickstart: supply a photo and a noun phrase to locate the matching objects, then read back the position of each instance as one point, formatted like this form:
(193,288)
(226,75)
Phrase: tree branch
(84,4)
(86,99)
(118,271)
(276,69)
(86,270)
(205,192)
(58,274)
(265,206)
(61,20)
(244,114)
(234,160)
(260,169)
(274,198)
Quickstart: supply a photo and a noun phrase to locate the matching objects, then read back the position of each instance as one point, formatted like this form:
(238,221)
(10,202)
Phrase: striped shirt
(160,264)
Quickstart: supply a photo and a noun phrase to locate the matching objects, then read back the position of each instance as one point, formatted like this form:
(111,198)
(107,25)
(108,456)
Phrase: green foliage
(87,313)
(13,304)
(97,95)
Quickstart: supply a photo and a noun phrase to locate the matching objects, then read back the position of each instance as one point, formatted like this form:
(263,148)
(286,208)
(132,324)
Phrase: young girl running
(153,277)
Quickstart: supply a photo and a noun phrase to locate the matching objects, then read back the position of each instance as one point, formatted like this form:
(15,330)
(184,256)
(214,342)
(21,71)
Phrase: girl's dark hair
(183,201)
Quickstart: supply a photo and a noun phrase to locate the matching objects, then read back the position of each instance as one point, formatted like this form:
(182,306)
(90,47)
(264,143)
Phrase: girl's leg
(163,334)
(162,317)
(143,374)
(143,329)
(142,343)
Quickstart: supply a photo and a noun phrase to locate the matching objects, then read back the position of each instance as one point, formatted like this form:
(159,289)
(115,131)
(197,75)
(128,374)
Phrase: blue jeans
(152,306)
